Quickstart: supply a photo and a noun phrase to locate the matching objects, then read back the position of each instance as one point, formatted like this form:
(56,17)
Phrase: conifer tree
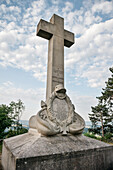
(103,112)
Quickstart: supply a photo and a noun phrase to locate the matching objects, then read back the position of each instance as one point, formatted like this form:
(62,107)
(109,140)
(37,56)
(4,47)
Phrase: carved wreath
(69,119)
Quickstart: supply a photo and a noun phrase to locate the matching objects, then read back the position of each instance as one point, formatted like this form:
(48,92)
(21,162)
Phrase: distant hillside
(25,123)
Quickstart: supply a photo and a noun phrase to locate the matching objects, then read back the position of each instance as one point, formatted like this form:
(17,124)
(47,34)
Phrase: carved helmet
(59,87)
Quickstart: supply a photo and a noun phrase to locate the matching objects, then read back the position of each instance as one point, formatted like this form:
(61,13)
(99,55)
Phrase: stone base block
(33,152)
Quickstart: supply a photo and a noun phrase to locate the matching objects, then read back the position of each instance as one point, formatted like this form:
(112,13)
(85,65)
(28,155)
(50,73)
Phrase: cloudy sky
(23,55)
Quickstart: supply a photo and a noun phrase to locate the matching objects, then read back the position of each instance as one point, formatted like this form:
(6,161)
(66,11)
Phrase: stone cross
(58,38)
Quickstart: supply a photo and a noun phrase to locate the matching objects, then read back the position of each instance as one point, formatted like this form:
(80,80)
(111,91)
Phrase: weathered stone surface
(58,38)
(31,152)
(60,109)
(57,115)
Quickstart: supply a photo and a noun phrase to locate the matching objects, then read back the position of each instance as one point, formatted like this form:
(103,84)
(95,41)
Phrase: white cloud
(68,7)
(8,84)
(10,13)
(14,9)
(89,58)
(91,53)
(3,8)
(96,76)
(82,103)
(104,7)
(8,1)
(30,97)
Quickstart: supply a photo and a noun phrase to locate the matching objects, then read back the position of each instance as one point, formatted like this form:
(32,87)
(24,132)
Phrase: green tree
(5,120)
(10,117)
(17,109)
(103,112)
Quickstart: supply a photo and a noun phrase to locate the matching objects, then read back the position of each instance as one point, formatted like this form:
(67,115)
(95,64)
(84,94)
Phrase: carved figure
(57,115)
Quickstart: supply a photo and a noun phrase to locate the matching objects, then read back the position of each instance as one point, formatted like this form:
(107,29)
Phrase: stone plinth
(31,152)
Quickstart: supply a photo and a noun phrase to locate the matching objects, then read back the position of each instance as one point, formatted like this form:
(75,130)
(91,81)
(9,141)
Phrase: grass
(110,143)
(91,135)
(106,139)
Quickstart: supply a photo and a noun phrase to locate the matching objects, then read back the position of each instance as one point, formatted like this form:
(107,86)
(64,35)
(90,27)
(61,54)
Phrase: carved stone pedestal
(32,152)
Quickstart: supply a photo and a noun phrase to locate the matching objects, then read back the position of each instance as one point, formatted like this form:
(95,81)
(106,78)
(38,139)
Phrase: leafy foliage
(5,119)
(9,118)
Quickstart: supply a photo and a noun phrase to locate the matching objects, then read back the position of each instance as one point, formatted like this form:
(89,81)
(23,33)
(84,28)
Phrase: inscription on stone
(58,72)
(58,76)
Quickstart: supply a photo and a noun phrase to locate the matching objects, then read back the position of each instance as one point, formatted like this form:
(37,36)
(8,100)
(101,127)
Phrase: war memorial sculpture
(55,139)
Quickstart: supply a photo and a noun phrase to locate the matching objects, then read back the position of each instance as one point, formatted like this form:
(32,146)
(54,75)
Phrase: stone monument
(55,139)
(57,114)
(58,38)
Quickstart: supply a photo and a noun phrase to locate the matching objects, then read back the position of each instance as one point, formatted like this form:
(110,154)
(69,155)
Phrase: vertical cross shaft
(58,38)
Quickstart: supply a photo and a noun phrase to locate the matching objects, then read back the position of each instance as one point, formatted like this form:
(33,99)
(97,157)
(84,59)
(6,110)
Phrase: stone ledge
(30,152)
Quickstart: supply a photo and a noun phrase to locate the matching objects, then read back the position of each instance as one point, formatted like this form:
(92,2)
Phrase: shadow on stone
(31,152)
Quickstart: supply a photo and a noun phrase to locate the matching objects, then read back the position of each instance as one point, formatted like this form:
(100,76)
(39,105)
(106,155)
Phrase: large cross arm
(68,38)
(45,29)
